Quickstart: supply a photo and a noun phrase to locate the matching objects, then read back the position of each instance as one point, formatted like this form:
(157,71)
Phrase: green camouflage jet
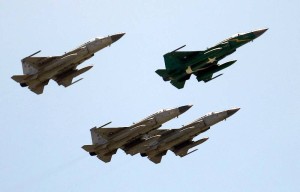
(180,65)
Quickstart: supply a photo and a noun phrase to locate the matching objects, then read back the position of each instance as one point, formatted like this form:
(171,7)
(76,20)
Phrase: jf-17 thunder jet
(180,65)
(106,141)
(37,71)
(155,144)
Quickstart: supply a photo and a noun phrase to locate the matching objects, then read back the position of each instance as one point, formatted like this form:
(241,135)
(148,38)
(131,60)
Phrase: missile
(105,124)
(213,78)
(32,54)
(181,151)
(76,81)
(178,49)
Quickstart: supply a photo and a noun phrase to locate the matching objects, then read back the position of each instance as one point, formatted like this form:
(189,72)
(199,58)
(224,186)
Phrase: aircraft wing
(178,84)
(38,62)
(107,158)
(157,158)
(205,79)
(66,78)
(183,152)
(39,88)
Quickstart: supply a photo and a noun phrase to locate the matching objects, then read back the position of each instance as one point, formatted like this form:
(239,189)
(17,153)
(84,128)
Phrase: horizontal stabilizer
(156,158)
(20,78)
(105,158)
(163,73)
(89,148)
(39,89)
(178,84)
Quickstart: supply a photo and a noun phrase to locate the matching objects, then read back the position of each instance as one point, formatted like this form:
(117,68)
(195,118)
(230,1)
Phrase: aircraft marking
(211,60)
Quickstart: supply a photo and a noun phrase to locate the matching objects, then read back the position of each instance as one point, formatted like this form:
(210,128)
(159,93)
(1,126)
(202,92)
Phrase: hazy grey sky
(257,149)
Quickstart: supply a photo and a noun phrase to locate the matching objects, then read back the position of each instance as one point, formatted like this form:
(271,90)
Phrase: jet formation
(180,65)
(146,139)
(37,71)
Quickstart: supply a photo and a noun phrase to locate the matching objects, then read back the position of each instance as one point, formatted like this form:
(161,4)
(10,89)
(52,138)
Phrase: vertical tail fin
(163,73)
(27,68)
(96,137)
(20,78)
(96,140)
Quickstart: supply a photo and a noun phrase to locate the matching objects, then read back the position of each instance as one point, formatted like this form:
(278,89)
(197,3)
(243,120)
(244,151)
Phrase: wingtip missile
(213,78)
(191,152)
(178,48)
(76,81)
(34,53)
(105,124)
(31,55)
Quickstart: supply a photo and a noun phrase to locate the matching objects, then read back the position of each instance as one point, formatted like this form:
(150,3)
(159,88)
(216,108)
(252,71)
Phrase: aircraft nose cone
(184,108)
(116,37)
(232,111)
(259,32)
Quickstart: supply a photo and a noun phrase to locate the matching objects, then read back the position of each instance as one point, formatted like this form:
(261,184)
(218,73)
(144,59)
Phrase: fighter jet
(158,142)
(180,65)
(106,141)
(37,71)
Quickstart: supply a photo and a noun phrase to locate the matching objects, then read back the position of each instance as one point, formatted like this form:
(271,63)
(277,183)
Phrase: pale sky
(257,149)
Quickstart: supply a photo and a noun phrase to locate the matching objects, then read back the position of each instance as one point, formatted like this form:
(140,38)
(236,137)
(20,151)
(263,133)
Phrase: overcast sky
(257,149)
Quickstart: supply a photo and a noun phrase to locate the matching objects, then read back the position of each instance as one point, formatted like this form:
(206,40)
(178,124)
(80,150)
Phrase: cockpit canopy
(97,38)
(208,114)
(232,37)
(236,35)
